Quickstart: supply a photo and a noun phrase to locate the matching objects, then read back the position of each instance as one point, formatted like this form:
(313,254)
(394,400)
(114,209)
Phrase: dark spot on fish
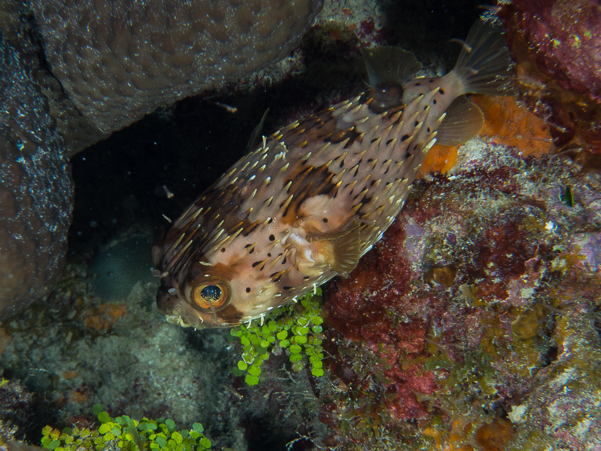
(248,289)
(414,147)
(271,237)
(405,138)
(430,81)
(270,221)
(428,129)
(230,315)
(434,101)
(373,182)
(370,160)
(255,264)
(389,141)
(426,107)
(288,288)
(416,123)
(441,91)
(251,251)
(418,84)
(306,278)
(374,140)
(325,220)
(269,254)
(356,171)
(223,249)
(284,261)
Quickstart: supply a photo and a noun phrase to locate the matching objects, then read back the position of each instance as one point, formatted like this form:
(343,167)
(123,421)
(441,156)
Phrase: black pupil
(211,293)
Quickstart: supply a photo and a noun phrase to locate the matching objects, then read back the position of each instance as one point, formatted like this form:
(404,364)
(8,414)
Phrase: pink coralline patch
(392,346)
(402,403)
(376,284)
(361,307)
(502,252)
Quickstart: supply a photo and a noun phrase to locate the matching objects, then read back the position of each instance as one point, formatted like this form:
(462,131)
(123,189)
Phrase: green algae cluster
(126,434)
(296,328)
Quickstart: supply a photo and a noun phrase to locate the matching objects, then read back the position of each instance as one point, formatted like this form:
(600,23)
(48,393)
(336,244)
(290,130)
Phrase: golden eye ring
(211,294)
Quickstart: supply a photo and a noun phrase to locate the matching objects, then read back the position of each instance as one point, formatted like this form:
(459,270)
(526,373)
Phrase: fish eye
(212,295)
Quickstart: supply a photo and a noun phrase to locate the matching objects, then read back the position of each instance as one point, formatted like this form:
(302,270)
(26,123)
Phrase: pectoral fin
(343,246)
(463,121)
(347,251)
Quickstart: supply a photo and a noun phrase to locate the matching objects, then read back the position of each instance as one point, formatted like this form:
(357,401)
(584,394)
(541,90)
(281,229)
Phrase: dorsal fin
(462,122)
(390,64)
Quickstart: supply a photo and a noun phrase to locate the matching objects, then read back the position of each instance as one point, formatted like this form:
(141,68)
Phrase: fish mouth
(177,310)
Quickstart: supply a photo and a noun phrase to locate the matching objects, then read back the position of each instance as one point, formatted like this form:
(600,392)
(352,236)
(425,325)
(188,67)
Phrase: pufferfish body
(318,194)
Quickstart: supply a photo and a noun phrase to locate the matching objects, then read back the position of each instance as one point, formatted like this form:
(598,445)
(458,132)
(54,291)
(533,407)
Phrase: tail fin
(484,63)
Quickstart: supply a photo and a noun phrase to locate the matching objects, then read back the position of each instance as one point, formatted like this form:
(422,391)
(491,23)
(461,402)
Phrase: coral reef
(455,318)
(555,45)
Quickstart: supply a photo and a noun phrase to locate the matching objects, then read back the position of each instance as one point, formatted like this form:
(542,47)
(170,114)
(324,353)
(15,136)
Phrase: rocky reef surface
(473,325)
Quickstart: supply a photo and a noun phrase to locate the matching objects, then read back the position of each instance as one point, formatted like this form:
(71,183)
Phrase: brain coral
(112,62)
(121,59)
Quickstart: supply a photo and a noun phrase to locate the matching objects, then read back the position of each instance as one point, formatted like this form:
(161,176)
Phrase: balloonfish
(315,196)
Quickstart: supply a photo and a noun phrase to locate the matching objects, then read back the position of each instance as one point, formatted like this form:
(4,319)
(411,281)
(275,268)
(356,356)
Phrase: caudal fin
(484,63)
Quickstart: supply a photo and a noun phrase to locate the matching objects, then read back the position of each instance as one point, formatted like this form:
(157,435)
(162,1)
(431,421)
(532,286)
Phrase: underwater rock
(36,191)
(556,46)
(563,40)
(117,269)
